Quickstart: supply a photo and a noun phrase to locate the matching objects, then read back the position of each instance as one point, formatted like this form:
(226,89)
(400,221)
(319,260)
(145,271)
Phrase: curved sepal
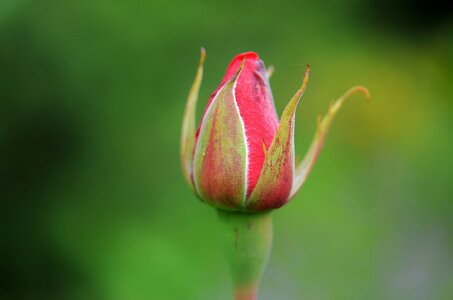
(304,168)
(220,159)
(275,181)
(188,123)
(269,71)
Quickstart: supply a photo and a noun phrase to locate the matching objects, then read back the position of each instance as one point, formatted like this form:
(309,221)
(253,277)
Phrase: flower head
(241,157)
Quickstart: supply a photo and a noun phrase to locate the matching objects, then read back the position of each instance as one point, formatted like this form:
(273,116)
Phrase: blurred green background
(93,202)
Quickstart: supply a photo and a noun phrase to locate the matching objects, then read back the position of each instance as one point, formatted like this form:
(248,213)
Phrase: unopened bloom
(241,157)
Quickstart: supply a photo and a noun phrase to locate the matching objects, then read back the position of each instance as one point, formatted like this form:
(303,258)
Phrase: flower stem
(247,242)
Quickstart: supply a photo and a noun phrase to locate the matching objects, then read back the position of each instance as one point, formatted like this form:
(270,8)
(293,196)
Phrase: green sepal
(304,167)
(188,123)
(274,183)
(220,159)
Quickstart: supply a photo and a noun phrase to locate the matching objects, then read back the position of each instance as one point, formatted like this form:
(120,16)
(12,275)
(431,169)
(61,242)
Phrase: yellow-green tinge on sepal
(304,167)
(220,159)
(188,123)
(274,183)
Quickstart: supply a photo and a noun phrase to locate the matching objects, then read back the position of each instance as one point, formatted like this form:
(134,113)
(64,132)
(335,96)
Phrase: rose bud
(242,156)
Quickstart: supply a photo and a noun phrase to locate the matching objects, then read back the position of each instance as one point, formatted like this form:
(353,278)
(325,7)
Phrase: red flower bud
(241,157)
(256,108)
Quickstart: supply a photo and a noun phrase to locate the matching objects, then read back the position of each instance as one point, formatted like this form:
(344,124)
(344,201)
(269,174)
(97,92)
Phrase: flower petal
(275,181)
(188,123)
(304,168)
(220,159)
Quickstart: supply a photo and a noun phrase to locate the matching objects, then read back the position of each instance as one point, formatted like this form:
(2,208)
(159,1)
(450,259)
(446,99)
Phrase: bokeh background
(93,204)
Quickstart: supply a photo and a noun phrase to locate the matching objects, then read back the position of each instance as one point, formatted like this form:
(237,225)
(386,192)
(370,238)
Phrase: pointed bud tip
(249,54)
(236,75)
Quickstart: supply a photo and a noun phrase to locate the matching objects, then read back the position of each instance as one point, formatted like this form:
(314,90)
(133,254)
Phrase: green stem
(247,241)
